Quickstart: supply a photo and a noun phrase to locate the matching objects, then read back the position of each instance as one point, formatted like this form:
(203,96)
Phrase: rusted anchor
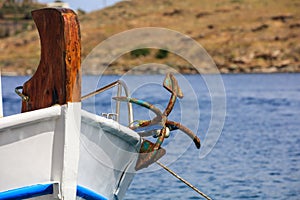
(149,151)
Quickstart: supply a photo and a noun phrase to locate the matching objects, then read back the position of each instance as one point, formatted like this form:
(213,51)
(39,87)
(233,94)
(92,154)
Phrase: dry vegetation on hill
(242,36)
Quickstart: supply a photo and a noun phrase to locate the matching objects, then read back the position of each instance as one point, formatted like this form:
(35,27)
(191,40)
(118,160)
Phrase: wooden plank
(58,77)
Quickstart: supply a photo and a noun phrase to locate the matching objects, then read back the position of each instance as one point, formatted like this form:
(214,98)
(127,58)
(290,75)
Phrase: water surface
(256,157)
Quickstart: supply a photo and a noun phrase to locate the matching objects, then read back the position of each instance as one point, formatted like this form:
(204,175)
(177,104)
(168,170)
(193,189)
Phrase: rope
(183,180)
(109,86)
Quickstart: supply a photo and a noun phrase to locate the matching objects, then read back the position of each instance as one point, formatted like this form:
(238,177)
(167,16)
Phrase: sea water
(256,155)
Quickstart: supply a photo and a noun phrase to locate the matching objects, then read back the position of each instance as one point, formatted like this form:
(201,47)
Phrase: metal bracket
(113,116)
(23,97)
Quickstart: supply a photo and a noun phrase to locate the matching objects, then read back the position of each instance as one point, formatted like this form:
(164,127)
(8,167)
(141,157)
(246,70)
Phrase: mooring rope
(183,180)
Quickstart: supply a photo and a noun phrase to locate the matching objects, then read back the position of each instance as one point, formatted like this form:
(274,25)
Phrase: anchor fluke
(171,84)
(148,155)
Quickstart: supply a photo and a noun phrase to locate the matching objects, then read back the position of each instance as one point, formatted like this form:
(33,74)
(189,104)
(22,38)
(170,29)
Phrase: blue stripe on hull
(27,192)
(45,189)
(89,194)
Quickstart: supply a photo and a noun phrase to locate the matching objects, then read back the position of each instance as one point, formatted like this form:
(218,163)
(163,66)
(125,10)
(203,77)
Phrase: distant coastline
(272,70)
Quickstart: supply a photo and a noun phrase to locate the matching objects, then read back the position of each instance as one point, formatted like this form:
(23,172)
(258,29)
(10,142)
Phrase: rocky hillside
(242,36)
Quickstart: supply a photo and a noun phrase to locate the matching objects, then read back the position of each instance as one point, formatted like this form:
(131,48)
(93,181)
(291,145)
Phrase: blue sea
(249,126)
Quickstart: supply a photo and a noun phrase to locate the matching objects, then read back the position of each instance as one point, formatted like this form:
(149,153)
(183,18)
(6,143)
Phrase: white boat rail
(120,84)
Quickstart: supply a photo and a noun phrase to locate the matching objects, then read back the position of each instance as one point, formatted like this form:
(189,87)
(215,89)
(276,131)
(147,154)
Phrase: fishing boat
(54,149)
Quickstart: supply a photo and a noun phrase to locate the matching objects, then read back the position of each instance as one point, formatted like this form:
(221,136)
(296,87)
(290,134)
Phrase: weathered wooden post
(58,77)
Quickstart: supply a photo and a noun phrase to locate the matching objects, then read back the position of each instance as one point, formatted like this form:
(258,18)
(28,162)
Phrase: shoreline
(12,74)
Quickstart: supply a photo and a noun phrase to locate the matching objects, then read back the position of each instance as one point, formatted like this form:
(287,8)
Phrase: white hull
(68,149)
